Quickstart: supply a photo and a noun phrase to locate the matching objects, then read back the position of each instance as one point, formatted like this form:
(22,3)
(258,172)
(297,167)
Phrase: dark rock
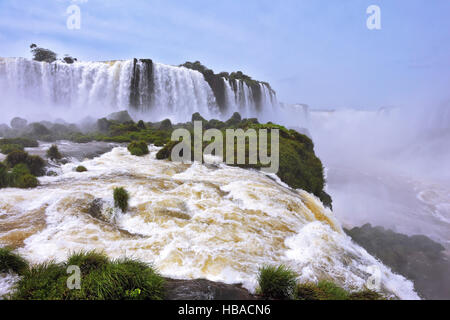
(204,290)
(417,258)
(95,209)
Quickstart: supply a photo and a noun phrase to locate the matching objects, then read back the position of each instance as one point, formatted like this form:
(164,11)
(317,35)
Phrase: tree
(42,55)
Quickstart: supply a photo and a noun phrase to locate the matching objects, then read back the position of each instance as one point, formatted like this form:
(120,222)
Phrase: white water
(43,91)
(219,223)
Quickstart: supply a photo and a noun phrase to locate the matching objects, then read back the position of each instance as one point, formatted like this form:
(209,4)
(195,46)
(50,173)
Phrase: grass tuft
(277,282)
(12,262)
(121,198)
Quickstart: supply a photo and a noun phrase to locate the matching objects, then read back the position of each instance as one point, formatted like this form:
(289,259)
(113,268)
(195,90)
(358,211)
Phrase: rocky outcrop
(417,258)
(201,289)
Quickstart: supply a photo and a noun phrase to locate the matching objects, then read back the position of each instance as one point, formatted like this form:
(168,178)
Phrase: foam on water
(215,222)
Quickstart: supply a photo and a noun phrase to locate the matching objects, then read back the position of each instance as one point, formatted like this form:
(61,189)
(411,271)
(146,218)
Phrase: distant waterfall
(149,90)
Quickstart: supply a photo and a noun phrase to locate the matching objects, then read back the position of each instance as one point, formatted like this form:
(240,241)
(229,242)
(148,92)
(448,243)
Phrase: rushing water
(214,222)
(151,91)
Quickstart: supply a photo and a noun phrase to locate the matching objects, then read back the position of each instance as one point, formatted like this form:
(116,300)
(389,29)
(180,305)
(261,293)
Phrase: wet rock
(201,289)
(417,258)
(95,209)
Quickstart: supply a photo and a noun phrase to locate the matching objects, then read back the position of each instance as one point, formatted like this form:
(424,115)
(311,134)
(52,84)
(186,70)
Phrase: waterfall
(149,90)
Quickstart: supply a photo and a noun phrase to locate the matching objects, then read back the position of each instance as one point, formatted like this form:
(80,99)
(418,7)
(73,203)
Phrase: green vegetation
(326,290)
(20,170)
(8,148)
(101,279)
(280,283)
(12,262)
(22,178)
(81,169)
(299,167)
(121,198)
(277,282)
(53,153)
(23,142)
(138,148)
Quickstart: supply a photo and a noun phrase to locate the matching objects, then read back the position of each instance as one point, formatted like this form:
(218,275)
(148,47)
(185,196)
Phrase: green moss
(81,169)
(121,198)
(53,153)
(277,282)
(138,148)
(12,262)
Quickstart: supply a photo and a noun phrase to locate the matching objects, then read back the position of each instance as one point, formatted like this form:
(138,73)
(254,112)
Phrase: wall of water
(151,91)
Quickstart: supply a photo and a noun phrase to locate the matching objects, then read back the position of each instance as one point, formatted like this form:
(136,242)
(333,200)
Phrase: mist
(389,167)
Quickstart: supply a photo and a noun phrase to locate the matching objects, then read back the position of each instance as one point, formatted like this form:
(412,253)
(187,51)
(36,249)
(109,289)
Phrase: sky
(317,52)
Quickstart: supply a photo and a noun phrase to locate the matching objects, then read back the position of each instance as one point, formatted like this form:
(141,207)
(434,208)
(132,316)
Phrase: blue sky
(318,52)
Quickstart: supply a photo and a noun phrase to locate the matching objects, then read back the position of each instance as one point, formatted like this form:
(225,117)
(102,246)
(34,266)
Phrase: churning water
(215,222)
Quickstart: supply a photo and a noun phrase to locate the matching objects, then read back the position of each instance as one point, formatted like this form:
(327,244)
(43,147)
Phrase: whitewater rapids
(215,222)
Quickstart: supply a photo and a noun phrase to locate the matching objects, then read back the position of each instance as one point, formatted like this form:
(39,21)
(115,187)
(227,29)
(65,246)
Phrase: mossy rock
(81,169)
(138,148)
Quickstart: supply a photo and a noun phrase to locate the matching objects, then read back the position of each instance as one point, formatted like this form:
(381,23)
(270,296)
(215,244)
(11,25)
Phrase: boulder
(201,289)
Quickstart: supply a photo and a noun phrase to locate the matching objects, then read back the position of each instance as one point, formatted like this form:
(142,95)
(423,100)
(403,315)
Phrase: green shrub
(8,148)
(22,178)
(121,198)
(277,282)
(12,262)
(16,157)
(53,153)
(36,165)
(141,125)
(101,279)
(4,176)
(24,142)
(138,148)
(81,169)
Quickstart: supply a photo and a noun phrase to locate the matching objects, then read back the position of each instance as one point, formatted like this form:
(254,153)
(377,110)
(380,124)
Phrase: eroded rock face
(204,290)
(417,258)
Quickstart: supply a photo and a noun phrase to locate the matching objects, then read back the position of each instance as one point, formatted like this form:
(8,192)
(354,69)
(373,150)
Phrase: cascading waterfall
(149,90)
